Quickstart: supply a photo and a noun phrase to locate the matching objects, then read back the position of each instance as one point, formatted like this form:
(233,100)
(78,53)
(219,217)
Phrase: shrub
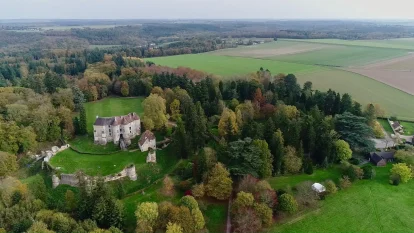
(242,200)
(308,167)
(353,172)
(189,202)
(401,170)
(265,214)
(198,190)
(330,187)
(184,185)
(395,180)
(369,172)
(354,161)
(305,195)
(248,184)
(288,203)
(345,182)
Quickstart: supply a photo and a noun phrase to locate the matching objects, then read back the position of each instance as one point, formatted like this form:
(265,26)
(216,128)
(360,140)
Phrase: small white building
(147,141)
(110,129)
(318,188)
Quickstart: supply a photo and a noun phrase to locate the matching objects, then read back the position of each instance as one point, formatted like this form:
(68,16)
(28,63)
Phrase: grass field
(408,127)
(111,106)
(231,66)
(387,127)
(342,56)
(71,161)
(281,182)
(405,43)
(364,90)
(368,206)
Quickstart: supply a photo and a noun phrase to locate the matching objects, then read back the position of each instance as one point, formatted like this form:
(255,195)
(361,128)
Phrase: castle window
(103,131)
(109,130)
(129,128)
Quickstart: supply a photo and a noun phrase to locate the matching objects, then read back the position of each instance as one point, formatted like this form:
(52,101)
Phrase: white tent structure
(318,188)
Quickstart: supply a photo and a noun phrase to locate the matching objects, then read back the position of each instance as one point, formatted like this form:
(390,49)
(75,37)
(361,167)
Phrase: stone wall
(47,155)
(73,180)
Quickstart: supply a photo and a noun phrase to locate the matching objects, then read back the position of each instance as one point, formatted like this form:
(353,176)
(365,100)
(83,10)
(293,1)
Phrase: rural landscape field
(371,71)
(189,121)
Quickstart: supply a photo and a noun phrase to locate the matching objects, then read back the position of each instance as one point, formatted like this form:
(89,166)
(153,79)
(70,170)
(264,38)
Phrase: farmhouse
(380,159)
(397,127)
(147,141)
(116,129)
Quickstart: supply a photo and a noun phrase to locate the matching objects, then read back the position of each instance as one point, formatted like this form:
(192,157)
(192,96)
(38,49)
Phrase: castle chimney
(97,116)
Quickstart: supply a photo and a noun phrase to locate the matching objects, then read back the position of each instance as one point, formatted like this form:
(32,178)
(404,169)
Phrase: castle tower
(131,173)
(55,181)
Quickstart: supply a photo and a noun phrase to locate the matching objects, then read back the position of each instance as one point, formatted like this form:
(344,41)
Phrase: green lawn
(111,106)
(368,206)
(71,161)
(387,127)
(406,43)
(216,217)
(342,56)
(408,127)
(320,175)
(231,66)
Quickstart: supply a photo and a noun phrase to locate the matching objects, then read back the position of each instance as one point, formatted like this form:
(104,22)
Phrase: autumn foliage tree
(219,183)
(228,126)
(154,112)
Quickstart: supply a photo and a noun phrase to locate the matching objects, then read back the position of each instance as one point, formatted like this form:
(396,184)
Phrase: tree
(198,217)
(242,201)
(63,97)
(181,140)
(343,151)
(402,171)
(38,188)
(175,109)
(189,202)
(288,203)
(174,228)
(83,125)
(185,219)
(8,164)
(39,227)
(247,221)
(228,126)
(267,158)
(219,183)
(277,149)
(198,190)
(147,214)
(292,163)
(355,131)
(124,88)
(168,187)
(70,201)
(78,97)
(155,110)
(265,213)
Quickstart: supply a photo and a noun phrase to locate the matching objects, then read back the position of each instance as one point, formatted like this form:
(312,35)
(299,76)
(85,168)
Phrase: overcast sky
(211,9)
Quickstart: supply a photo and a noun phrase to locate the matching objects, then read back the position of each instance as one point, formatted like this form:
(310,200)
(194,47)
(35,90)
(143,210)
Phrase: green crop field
(405,43)
(230,66)
(368,206)
(342,56)
(111,106)
(363,89)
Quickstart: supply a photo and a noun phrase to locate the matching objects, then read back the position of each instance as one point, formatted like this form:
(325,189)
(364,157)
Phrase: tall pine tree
(83,127)
(277,149)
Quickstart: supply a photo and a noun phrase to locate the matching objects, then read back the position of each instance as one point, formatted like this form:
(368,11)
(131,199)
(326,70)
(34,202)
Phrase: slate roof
(386,155)
(375,158)
(147,135)
(396,124)
(117,120)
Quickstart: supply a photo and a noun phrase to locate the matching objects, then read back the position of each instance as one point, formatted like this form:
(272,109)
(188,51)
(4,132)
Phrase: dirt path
(228,226)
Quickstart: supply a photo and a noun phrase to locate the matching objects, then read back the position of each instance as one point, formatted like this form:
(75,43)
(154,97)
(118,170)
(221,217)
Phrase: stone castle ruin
(73,179)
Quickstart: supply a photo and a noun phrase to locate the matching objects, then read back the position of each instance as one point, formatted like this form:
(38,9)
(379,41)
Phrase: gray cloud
(223,9)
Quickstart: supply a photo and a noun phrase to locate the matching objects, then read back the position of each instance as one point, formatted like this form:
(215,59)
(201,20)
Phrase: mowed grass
(408,127)
(342,56)
(320,175)
(387,127)
(231,66)
(367,206)
(404,43)
(70,161)
(364,90)
(111,106)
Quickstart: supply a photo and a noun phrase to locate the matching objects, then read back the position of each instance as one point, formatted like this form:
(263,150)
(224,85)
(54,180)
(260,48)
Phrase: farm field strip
(404,43)
(231,66)
(402,80)
(363,89)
